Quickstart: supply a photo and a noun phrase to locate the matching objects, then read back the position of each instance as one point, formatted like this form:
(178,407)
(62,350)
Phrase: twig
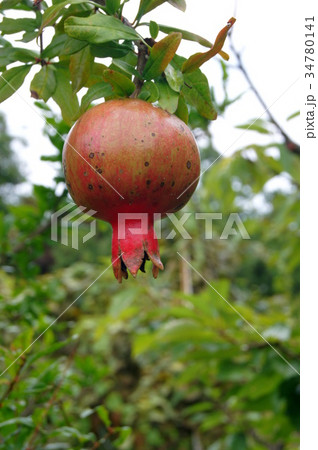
(292,146)
(142,59)
(37,5)
(261,441)
(186,280)
(41,228)
(32,235)
(14,381)
(196,440)
(46,410)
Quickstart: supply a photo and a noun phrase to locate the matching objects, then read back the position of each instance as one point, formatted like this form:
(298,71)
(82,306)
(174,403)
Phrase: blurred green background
(155,364)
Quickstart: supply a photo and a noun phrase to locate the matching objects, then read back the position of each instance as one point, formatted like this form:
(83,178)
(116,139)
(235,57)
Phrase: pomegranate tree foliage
(150,366)
(87,32)
(158,364)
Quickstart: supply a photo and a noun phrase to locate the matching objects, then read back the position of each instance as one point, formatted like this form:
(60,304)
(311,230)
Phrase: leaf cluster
(86,32)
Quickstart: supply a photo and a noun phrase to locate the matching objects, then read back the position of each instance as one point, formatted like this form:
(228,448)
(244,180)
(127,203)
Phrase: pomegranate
(129,160)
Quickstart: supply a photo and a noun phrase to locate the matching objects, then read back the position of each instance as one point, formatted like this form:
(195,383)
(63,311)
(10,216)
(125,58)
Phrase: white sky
(266,34)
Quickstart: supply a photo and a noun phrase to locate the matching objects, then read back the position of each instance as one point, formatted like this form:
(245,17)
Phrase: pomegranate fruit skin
(126,156)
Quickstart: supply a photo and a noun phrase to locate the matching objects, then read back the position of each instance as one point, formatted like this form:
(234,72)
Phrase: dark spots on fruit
(91,155)
(90,187)
(99,170)
(103,154)
(149,123)
(173,183)
(142,140)
(162,184)
(148,182)
(146,163)
(188,164)
(100,186)
(85,174)
(153,134)
(132,192)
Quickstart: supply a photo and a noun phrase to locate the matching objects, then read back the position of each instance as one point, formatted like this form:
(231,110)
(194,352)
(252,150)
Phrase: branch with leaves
(85,30)
(292,146)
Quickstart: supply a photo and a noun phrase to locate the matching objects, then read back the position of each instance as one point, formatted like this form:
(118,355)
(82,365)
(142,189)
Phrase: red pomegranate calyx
(135,244)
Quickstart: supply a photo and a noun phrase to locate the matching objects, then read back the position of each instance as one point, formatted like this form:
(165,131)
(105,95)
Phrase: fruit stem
(141,62)
(143,52)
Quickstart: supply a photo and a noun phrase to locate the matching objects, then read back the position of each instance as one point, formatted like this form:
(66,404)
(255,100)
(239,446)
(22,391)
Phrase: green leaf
(25,421)
(80,68)
(160,55)
(112,6)
(110,49)
(123,434)
(196,90)
(148,5)
(179,4)
(174,77)
(292,116)
(121,84)
(149,92)
(96,75)
(125,67)
(55,47)
(259,125)
(64,96)
(8,4)
(103,415)
(10,55)
(4,43)
(11,26)
(28,36)
(11,80)
(182,111)
(98,28)
(197,93)
(168,98)
(43,84)
(187,35)
(153,29)
(72,46)
(53,12)
(98,90)
(70,432)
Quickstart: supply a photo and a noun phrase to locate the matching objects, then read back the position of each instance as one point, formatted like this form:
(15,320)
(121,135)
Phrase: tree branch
(142,59)
(45,412)
(291,145)
(14,381)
